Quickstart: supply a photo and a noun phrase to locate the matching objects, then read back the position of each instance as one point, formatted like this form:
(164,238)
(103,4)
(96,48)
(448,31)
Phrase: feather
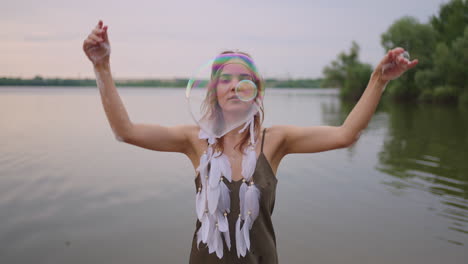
(214,244)
(219,244)
(215,172)
(252,199)
(205,228)
(227,239)
(252,135)
(199,237)
(222,222)
(203,162)
(249,161)
(211,247)
(245,231)
(240,244)
(224,198)
(200,203)
(211,235)
(213,198)
(242,191)
(203,177)
(203,167)
(249,124)
(225,167)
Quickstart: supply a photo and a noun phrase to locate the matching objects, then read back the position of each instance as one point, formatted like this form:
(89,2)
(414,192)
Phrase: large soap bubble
(246,90)
(224,93)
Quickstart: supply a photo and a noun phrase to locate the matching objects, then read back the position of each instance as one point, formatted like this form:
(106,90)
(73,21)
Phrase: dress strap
(263,140)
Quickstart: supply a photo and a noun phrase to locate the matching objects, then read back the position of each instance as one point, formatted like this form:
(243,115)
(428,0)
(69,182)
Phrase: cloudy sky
(294,38)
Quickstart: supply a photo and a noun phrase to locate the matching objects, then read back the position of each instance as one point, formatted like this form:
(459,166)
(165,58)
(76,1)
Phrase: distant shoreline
(148,83)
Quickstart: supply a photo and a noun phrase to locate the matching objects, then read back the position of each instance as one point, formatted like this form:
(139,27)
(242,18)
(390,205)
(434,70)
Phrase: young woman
(234,157)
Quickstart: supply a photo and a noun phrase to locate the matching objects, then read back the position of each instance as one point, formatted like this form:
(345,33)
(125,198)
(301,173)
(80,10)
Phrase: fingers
(100,31)
(104,34)
(401,60)
(95,38)
(99,25)
(98,35)
(405,64)
(413,63)
(96,31)
(397,51)
(390,55)
(89,42)
(394,53)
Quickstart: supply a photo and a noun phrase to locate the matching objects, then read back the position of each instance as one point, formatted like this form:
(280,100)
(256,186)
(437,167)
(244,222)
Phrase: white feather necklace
(213,200)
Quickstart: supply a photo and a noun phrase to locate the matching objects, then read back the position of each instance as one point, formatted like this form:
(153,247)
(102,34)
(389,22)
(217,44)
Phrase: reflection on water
(70,193)
(425,148)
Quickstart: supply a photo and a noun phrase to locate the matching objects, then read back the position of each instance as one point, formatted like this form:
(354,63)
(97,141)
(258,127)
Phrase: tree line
(441,46)
(167,83)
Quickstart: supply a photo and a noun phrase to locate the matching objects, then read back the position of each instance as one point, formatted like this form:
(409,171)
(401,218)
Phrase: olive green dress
(262,234)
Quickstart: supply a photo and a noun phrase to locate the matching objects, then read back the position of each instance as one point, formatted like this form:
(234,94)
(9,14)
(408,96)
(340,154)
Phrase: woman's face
(230,76)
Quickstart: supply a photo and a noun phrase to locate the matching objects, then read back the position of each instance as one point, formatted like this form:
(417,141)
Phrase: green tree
(447,80)
(348,74)
(451,20)
(357,78)
(458,74)
(335,75)
(458,71)
(420,40)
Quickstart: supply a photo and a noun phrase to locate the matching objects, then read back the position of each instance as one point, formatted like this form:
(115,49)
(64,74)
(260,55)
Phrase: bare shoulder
(275,134)
(191,131)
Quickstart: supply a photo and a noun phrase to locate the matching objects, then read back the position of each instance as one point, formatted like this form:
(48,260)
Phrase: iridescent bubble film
(224,93)
(246,90)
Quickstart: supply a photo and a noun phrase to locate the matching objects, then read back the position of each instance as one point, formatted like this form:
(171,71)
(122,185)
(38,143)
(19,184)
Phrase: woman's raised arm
(155,137)
(322,138)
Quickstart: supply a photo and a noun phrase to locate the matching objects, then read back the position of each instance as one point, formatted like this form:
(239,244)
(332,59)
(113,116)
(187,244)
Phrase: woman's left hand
(393,65)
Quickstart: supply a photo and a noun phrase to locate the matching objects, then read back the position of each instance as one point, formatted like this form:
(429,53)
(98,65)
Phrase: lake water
(71,193)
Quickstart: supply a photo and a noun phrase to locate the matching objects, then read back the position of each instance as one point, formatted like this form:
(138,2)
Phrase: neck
(234,135)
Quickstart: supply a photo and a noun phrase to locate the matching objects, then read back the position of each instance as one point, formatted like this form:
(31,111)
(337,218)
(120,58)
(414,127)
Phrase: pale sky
(153,39)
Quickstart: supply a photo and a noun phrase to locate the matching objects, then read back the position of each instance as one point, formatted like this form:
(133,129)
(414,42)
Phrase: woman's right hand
(96,46)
